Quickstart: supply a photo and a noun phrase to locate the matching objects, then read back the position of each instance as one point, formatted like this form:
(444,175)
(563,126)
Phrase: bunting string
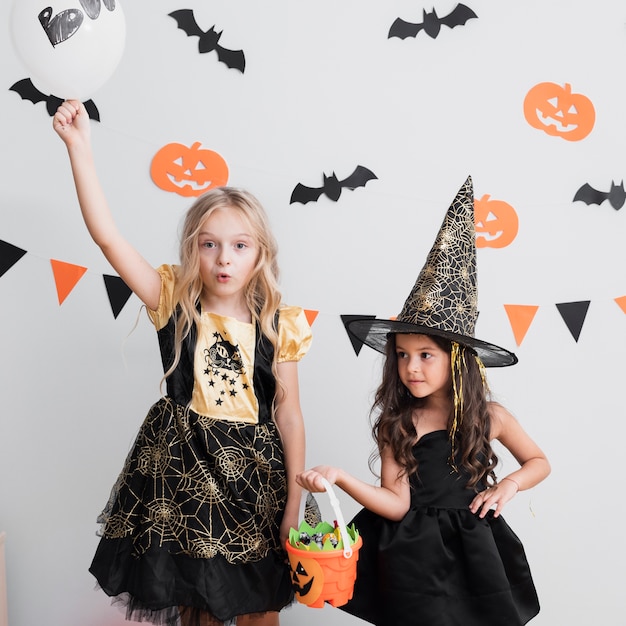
(68,275)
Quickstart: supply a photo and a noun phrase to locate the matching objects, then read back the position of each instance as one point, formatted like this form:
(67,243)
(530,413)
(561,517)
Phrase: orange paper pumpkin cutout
(188,171)
(496,223)
(559,112)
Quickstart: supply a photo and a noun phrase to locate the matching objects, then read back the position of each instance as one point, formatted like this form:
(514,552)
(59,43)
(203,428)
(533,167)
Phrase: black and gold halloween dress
(441,565)
(193,519)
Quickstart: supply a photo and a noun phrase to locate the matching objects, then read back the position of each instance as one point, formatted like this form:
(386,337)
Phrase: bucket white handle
(334,502)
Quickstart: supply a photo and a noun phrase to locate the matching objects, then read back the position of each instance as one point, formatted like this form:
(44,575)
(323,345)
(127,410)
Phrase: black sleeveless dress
(441,565)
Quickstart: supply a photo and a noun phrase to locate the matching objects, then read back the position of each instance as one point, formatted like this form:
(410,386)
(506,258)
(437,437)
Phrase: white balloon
(68,53)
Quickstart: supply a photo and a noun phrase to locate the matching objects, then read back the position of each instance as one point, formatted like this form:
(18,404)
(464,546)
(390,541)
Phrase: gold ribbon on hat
(457,365)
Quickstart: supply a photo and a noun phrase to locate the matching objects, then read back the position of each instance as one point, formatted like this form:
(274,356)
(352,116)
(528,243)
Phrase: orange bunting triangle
(621,302)
(310,316)
(520,318)
(66,276)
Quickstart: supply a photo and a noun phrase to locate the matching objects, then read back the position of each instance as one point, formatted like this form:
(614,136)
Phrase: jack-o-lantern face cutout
(307,579)
(559,112)
(496,223)
(188,171)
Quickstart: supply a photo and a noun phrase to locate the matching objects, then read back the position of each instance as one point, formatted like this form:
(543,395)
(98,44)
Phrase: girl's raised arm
(71,123)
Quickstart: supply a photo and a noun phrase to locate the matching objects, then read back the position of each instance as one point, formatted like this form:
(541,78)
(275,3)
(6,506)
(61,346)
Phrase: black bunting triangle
(9,256)
(573,314)
(357,344)
(118,292)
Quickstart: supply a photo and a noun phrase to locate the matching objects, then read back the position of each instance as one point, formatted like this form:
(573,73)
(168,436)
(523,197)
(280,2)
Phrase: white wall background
(324,89)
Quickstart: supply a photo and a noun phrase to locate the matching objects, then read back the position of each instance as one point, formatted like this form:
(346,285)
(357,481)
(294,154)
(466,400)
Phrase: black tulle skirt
(193,521)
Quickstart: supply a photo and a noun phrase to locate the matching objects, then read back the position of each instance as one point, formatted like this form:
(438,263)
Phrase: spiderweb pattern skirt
(193,521)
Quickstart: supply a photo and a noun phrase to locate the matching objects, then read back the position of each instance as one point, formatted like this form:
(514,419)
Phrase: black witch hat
(444,298)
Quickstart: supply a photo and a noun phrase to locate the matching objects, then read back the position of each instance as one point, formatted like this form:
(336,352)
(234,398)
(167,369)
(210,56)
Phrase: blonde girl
(193,533)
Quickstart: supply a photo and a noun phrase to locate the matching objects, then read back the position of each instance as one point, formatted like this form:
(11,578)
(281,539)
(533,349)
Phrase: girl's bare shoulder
(500,418)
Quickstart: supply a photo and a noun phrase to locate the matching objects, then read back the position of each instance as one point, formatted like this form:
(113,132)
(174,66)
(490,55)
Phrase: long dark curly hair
(393,416)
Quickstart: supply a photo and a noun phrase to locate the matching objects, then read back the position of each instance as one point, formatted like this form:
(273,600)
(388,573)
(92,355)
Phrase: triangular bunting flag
(520,318)
(118,292)
(66,276)
(573,314)
(621,301)
(310,316)
(357,344)
(9,256)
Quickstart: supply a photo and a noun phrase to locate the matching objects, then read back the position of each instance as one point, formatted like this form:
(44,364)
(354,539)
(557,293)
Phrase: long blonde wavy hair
(262,294)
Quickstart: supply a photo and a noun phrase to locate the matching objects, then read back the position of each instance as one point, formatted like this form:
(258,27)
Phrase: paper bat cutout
(28,91)
(431,23)
(209,40)
(616,195)
(332,187)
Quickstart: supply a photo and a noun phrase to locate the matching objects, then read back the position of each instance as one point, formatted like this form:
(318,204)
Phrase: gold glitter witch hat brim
(444,299)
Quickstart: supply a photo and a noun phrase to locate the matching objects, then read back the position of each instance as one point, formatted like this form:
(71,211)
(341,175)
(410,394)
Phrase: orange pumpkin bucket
(325,574)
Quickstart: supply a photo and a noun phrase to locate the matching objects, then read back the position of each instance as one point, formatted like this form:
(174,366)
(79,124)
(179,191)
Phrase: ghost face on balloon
(72,51)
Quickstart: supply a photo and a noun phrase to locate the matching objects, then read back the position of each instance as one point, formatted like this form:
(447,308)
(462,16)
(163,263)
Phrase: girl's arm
(534,465)
(71,123)
(391,500)
(291,427)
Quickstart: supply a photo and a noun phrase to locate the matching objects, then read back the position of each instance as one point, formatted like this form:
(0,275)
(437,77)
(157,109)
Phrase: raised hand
(71,122)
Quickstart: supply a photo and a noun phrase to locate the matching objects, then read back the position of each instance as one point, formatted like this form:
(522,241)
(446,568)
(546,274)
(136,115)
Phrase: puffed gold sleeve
(294,334)
(164,311)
